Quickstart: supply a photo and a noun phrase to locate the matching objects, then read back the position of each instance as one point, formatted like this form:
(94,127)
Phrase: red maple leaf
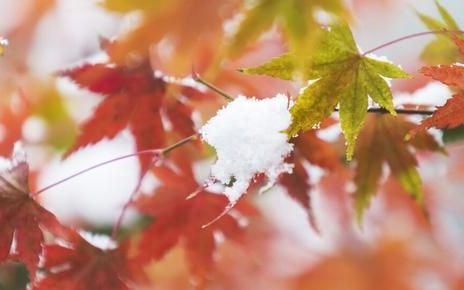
(179,220)
(308,148)
(22,219)
(136,99)
(450,115)
(82,266)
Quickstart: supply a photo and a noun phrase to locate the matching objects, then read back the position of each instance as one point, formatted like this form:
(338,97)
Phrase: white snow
(17,156)
(432,94)
(103,242)
(249,138)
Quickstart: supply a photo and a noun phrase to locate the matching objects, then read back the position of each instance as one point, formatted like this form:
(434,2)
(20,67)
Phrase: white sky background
(76,24)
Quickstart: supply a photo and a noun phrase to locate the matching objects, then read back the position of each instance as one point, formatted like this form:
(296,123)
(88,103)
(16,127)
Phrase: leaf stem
(212,87)
(155,152)
(174,146)
(128,203)
(410,36)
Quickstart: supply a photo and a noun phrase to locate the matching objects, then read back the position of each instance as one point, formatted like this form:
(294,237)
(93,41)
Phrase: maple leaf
(192,29)
(180,220)
(382,141)
(296,16)
(83,266)
(308,148)
(14,73)
(342,75)
(11,120)
(22,219)
(449,115)
(134,98)
(390,264)
(441,50)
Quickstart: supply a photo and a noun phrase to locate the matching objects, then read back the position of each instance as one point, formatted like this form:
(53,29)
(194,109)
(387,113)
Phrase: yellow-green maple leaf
(342,75)
(442,49)
(297,17)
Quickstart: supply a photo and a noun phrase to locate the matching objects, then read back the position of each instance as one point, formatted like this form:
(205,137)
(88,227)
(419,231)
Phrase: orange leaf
(179,221)
(188,27)
(450,115)
(82,266)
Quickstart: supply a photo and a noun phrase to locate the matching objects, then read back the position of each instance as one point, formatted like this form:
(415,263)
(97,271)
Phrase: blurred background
(44,111)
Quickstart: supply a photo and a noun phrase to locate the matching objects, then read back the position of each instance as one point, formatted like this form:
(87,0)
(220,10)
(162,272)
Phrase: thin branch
(136,189)
(399,111)
(154,152)
(410,36)
(186,140)
(126,205)
(212,87)
(144,152)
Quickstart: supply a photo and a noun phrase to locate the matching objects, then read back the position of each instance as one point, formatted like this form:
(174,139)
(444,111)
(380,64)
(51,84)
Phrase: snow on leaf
(21,217)
(343,75)
(82,266)
(249,138)
(382,141)
(134,98)
(103,242)
(179,218)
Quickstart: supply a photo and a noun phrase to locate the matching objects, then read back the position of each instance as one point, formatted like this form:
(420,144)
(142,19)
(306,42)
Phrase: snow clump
(249,137)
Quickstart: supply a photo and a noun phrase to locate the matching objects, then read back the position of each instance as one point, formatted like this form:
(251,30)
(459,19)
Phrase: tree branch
(399,111)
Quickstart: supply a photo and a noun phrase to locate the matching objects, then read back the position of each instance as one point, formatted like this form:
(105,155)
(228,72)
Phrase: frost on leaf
(249,138)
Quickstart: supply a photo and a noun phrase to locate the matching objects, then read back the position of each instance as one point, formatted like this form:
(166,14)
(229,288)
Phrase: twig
(410,36)
(212,87)
(399,111)
(155,152)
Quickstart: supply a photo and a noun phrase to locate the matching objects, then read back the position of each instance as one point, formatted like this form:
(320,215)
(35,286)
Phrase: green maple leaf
(342,75)
(442,49)
(297,17)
